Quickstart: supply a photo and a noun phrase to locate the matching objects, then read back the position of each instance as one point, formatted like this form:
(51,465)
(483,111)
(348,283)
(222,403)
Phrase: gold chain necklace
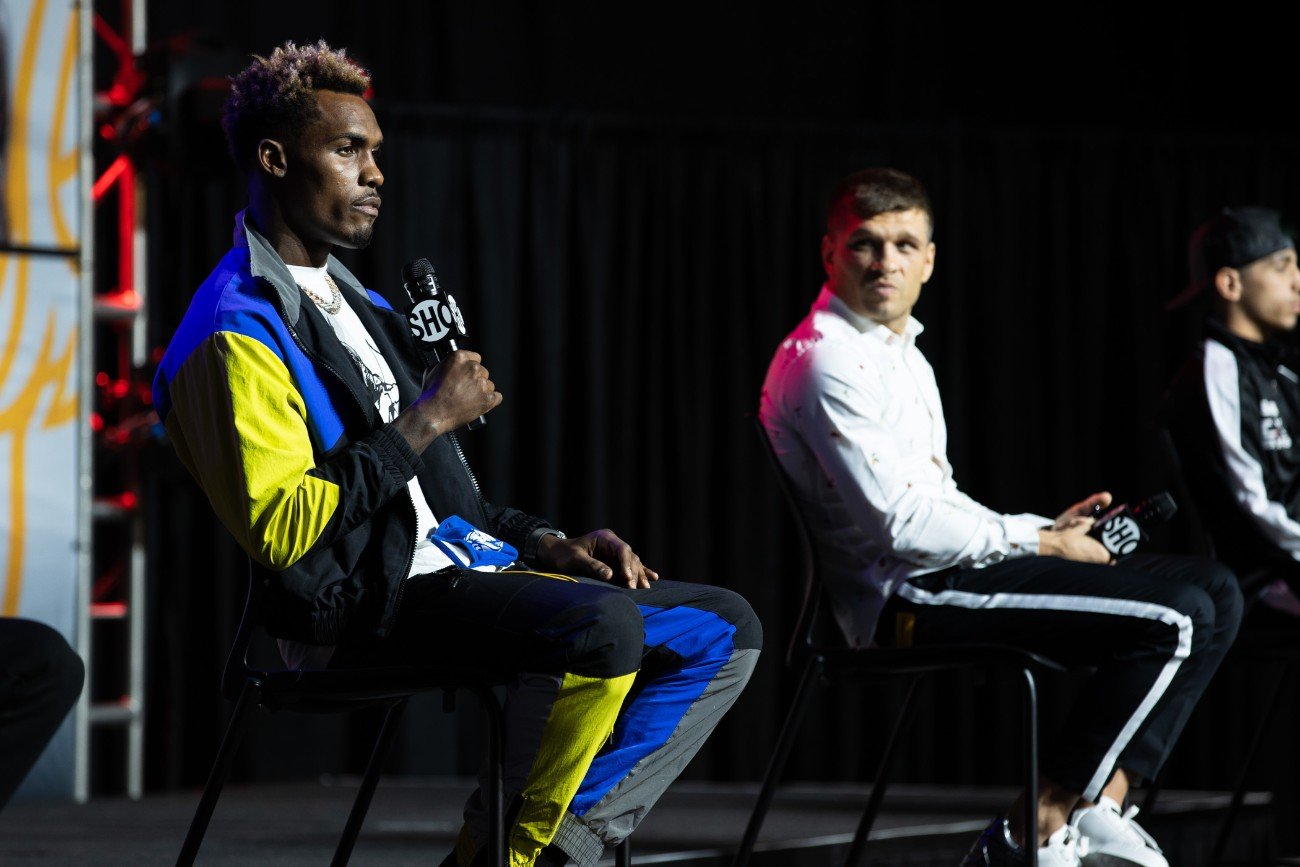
(332,304)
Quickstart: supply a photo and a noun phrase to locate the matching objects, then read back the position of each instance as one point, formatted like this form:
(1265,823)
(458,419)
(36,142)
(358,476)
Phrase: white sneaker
(1114,839)
(1065,847)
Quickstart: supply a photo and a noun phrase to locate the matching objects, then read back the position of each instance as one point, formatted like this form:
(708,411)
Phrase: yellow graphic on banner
(53,370)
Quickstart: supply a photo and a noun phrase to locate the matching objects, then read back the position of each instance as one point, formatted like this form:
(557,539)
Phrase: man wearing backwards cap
(1234,409)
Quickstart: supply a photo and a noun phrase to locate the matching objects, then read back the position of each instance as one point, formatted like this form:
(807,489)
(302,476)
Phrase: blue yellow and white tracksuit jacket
(265,410)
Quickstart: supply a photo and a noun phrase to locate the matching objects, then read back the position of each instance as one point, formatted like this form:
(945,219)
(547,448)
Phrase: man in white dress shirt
(851,407)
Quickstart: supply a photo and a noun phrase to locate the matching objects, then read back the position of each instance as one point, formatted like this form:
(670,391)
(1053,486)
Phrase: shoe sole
(1106,859)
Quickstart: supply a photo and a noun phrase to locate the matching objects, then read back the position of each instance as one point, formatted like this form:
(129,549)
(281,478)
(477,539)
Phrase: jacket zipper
(451,435)
(293,332)
(473,479)
(410,557)
(410,561)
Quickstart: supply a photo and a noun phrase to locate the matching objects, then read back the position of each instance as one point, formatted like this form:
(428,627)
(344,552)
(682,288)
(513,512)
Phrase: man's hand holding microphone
(1068,537)
(457,389)
(456,392)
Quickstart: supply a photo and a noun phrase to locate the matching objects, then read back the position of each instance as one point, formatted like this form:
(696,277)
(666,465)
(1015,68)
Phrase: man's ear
(1227,283)
(271,158)
(828,253)
(927,268)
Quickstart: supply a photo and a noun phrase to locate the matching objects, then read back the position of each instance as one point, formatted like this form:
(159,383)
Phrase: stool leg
(883,774)
(497,851)
(623,853)
(1031,768)
(1154,788)
(1239,793)
(249,697)
(812,672)
(375,768)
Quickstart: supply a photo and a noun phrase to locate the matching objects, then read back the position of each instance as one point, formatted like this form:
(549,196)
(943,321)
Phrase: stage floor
(413,821)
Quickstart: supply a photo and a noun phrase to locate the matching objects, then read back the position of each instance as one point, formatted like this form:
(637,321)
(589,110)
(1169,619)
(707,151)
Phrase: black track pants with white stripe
(1155,628)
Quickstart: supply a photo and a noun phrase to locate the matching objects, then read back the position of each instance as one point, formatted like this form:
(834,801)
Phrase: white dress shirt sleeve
(1022,529)
(892,497)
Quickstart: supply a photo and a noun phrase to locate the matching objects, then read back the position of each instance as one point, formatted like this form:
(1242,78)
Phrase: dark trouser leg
(1152,745)
(574,647)
(702,644)
(40,679)
(696,646)
(1270,582)
(1155,628)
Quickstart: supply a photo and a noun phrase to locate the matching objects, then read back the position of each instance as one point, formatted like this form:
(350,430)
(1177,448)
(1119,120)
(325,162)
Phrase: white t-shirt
(382,388)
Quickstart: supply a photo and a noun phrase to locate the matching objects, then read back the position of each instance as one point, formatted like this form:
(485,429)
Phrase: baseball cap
(1233,238)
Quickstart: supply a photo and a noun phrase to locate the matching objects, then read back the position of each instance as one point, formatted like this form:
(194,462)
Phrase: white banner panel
(41,196)
(40,300)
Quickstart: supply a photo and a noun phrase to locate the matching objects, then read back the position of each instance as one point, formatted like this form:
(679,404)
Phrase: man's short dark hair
(879,191)
(274,97)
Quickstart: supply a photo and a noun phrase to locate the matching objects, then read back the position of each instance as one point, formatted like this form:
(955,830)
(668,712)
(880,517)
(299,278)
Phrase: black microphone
(434,317)
(1123,529)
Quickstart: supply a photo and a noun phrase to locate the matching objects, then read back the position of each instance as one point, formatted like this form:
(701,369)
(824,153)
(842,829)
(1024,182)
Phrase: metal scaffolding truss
(113,642)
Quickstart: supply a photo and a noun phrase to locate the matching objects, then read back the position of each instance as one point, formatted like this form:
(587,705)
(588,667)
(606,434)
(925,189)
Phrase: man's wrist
(533,544)
(418,431)
(1047,542)
(1022,533)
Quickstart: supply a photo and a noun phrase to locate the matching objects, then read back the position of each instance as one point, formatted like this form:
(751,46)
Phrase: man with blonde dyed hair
(296,399)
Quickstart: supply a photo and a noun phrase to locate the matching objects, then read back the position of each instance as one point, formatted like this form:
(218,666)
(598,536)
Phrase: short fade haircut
(274,97)
(879,191)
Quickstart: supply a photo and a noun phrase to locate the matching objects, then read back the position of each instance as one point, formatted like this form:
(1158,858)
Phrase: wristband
(534,541)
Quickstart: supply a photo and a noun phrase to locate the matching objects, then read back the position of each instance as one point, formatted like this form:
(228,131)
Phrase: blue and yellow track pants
(616,690)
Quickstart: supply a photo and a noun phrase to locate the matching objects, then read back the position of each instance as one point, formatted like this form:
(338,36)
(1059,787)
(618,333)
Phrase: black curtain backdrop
(628,204)
(627,281)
